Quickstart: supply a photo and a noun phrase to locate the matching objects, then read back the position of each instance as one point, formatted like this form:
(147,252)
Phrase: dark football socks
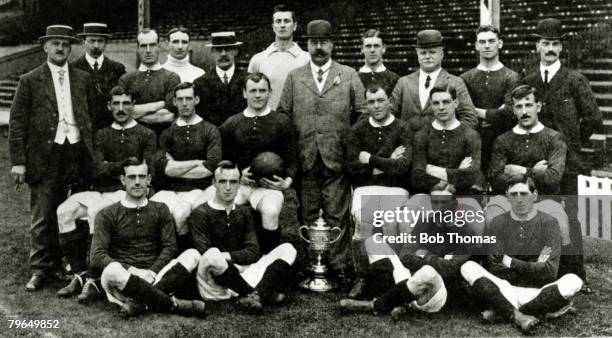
(145,293)
(379,277)
(360,260)
(73,244)
(548,300)
(396,296)
(268,240)
(274,278)
(489,293)
(174,279)
(231,279)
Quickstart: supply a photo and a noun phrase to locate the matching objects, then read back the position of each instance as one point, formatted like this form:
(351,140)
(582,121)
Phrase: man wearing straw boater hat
(568,106)
(104,72)
(323,98)
(50,144)
(220,90)
(411,94)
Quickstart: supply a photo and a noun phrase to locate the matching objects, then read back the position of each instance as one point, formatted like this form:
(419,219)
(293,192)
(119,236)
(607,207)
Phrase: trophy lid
(320,223)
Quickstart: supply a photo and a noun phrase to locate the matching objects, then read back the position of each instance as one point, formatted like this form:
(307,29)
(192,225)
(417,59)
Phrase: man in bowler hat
(104,72)
(50,144)
(323,98)
(411,94)
(568,106)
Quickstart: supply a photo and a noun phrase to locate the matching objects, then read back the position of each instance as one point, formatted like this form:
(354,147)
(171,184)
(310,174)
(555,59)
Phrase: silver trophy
(319,240)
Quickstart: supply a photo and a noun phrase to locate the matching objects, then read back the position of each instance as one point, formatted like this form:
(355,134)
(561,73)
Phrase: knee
(569,285)
(113,274)
(213,258)
(287,253)
(66,214)
(189,259)
(182,210)
(471,271)
(270,207)
(427,274)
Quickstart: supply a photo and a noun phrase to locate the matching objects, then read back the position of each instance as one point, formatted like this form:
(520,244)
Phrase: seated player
(445,151)
(521,282)
(231,264)
(192,149)
(256,130)
(123,139)
(134,242)
(381,150)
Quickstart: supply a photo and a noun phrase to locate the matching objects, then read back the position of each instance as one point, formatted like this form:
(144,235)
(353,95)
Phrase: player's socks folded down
(489,293)
(174,279)
(547,301)
(231,279)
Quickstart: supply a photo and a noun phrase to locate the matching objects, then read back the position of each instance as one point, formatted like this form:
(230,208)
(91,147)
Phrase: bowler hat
(223,39)
(95,29)
(429,38)
(59,32)
(549,29)
(318,29)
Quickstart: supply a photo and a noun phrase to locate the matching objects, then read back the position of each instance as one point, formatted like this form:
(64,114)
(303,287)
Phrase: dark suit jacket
(407,105)
(217,100)
(34,118)
(323,119)
(568,106)
(106,78)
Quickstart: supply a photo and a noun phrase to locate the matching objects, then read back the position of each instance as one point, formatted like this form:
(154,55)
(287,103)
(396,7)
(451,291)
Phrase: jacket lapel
(334,72)
(47,79)
(307,80)
(556,81)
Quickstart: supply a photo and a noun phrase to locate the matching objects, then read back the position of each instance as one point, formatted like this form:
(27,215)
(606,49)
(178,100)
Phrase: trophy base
(317,284)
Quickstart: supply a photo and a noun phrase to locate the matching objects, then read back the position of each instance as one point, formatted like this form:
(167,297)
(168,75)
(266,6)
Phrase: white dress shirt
(424,92)
(552,70)
(315,73)
(66,125)
(91,60)
(229,72)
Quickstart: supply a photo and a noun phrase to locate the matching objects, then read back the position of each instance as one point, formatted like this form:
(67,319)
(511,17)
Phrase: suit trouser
(329,190)
(45,196)
(572,256)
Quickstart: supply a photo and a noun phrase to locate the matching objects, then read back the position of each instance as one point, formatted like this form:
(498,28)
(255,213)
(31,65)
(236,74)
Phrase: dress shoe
(90,292)
(358,288)
(195,308)
(73,288)
(35,282)
(352,305)
(251,303)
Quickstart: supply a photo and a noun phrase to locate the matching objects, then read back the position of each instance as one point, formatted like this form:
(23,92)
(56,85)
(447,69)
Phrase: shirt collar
(144,68)
(248,113)
(324,68)
(195,120)
(437,126)
(294,50)
(552,69)
(495,67)
(211,202)
(521,131)
(178,63)
(129,125)
(367,69)
(55,68)
(433,75)
(387,122)
(530,216)
(91,60)
(132,205)
(230,72)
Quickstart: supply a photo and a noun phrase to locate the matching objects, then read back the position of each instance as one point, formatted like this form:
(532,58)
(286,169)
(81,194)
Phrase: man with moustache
(411,94)
(379,162)
(113,145)
(374,71)
(178,59)
(568,106)
(489,85)
(191,150)
(151,85)
(446,151)
(323,98)
(282,56)
(50,144)
(104,72)
(220,90)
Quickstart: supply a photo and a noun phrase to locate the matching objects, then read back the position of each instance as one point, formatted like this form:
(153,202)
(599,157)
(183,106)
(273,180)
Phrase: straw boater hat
(429,38)
(59,32)
(95,29)
(319,29)
(223,39)
(549,29)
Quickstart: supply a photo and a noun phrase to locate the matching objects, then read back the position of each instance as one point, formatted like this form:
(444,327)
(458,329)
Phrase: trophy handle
(300,232)
(340,232)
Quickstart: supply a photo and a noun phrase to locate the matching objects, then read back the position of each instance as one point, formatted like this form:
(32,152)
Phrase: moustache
(525,116)
(320,53)
(121,113)
(551,54)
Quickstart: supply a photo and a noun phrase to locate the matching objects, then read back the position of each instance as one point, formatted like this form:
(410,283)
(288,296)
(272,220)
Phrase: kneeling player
(134,242)
(520,283)
(231,264)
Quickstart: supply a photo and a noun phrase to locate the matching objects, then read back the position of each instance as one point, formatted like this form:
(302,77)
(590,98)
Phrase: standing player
(374,71)
(178,59)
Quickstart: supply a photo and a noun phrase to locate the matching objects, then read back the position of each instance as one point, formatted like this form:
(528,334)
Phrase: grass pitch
(306,314)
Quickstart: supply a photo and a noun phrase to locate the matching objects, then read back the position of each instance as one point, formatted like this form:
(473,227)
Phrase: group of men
(92,140)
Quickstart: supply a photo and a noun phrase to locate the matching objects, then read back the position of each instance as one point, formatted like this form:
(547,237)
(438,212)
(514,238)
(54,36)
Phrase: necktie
(546,76)
(96,68)
(320,75)
(225,78)
(427,82)
(61,73)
